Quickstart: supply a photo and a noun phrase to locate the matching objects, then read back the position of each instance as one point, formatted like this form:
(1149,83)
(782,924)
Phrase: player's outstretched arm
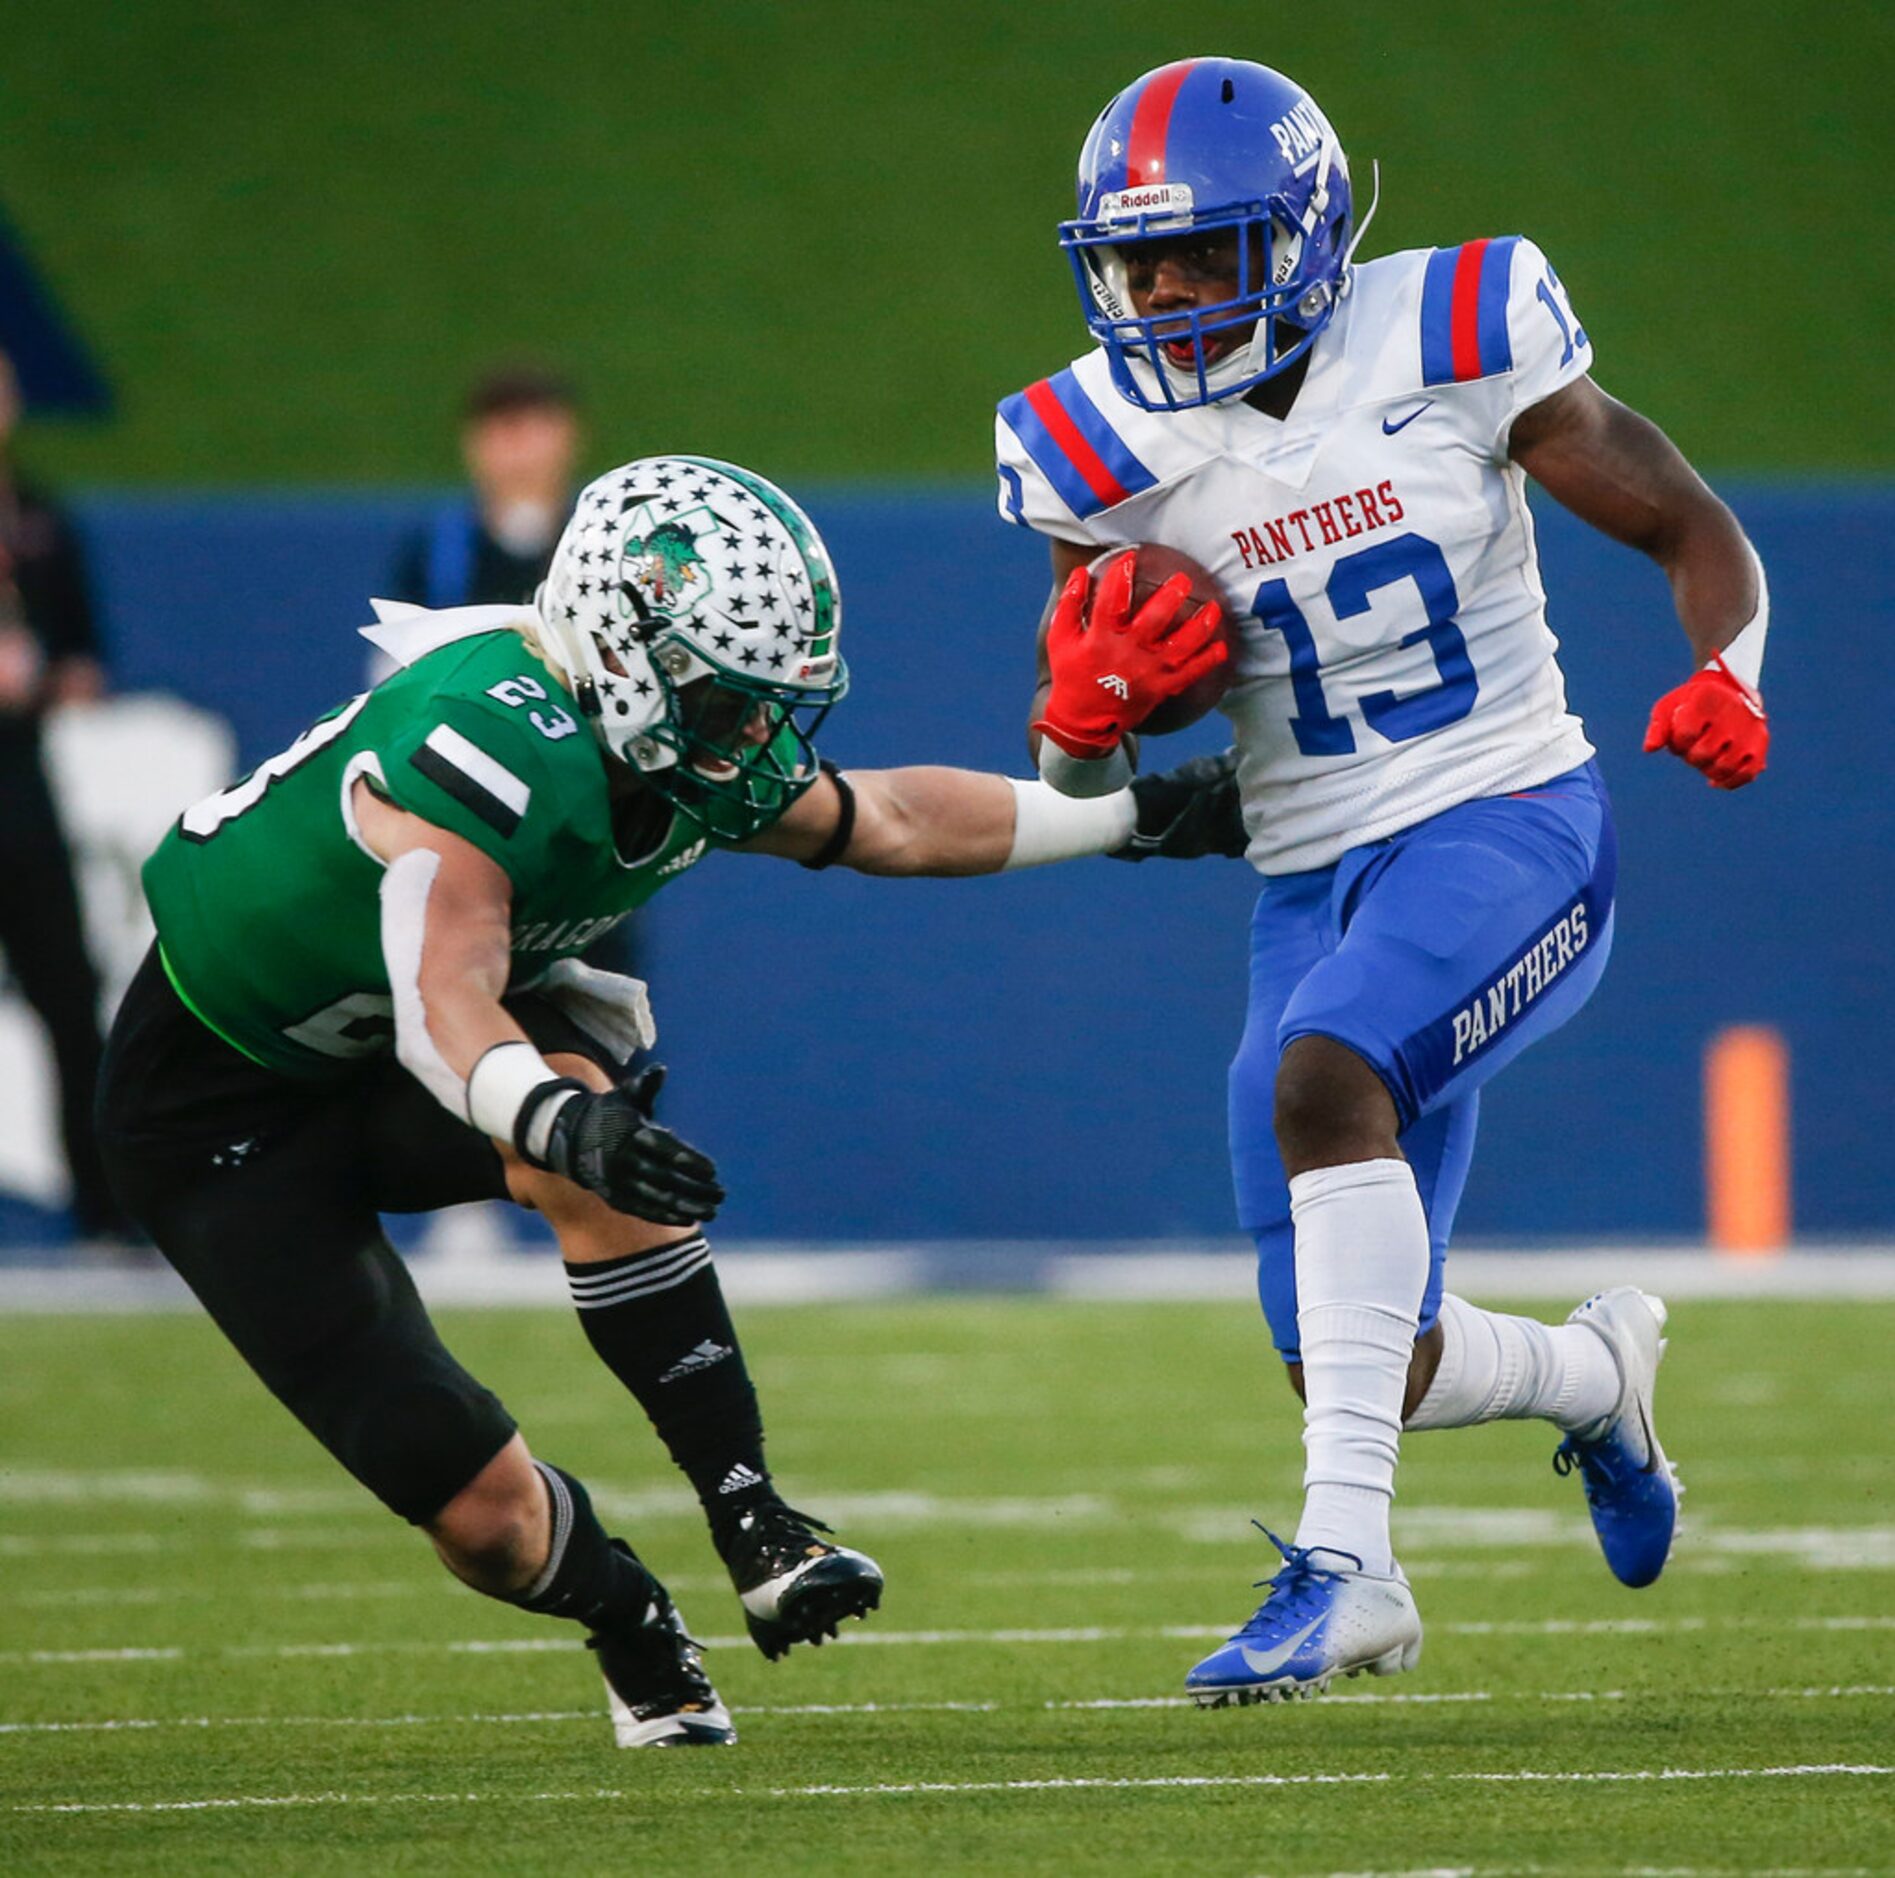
(957,821)
(928,820)
(1620,472)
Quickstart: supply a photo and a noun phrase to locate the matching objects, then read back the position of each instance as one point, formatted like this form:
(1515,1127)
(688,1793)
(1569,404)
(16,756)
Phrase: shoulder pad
(1464,293)
(1066,438)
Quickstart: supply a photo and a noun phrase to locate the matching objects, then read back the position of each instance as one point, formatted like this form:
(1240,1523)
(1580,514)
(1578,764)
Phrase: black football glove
(1188,812)
(610,1145)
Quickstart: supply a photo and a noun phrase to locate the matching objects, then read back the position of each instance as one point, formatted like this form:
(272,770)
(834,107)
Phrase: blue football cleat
(1631,1489)
(1325,1616)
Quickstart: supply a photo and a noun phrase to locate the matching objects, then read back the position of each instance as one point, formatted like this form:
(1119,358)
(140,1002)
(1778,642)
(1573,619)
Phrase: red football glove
(1111,672)
(1716,723)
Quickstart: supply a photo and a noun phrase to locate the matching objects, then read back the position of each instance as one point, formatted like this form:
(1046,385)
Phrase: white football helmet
(696,612)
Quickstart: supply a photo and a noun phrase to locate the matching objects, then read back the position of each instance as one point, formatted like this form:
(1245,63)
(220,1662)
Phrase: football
(1156,565)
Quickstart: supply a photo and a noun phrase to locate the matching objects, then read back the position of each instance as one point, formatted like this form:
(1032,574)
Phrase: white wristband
(1743,657)
(497,1089)
(1048,826)
(1083,777)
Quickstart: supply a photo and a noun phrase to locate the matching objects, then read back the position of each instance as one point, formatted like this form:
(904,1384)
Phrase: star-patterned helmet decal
(675,570)
(709,549)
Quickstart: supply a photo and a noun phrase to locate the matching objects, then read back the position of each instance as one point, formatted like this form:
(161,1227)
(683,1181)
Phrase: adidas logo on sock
(740,1477)
(702,1357)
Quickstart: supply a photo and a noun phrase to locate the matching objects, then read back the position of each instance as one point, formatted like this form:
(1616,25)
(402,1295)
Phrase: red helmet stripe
(1151,121)
(1046,406)
(1464,313)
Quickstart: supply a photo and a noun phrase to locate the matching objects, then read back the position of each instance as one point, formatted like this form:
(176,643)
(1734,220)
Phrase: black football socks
(659,1323)
(589,1577)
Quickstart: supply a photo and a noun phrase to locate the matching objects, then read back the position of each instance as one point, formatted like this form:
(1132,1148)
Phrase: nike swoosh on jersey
(1388,429)
(1268,1662)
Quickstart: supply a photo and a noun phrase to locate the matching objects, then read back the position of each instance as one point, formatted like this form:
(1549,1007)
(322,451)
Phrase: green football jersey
(268,905)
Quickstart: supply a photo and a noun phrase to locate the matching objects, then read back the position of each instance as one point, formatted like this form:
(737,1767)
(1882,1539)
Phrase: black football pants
(263,1192)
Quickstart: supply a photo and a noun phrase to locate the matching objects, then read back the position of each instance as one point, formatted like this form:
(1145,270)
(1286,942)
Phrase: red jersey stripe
(1064,432)
(1464,316)
(1151,121)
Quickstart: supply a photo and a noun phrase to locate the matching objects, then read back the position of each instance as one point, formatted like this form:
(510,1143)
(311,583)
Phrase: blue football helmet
(1206,145)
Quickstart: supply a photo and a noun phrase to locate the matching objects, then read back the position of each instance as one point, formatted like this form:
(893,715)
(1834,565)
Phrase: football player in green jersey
(365,997)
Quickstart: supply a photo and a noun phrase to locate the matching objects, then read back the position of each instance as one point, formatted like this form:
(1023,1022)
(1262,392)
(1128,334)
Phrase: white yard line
(318,1592)
(1499,1777)
(1419,1698)
(1441,1540)
(1613,1871)
(85,1544)
(1825,1770)
(1146,1272)
(1103,1633)
(169,1653)
(213,1534)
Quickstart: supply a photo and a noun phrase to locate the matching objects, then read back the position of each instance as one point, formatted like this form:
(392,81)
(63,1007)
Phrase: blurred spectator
(520,438)
(520,442)
(49,656)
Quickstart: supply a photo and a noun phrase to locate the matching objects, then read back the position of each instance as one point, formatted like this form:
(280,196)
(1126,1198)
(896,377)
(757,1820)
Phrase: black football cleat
(796,1587)
(655,1682)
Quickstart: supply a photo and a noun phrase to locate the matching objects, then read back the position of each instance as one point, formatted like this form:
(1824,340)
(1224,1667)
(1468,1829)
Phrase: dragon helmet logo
(663,566)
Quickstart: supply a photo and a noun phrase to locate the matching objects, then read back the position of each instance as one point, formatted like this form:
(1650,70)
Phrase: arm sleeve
(1027,497)
(1549,346)
(482,775)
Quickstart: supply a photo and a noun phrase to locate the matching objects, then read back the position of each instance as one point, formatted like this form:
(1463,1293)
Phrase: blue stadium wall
(1043,1056)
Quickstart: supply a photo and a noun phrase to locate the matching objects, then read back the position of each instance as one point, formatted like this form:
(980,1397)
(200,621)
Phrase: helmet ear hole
(644,624)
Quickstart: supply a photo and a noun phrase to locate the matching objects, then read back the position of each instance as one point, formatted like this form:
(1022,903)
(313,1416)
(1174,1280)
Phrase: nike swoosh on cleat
(1388,429)
(1651,1446)
(1268,1662)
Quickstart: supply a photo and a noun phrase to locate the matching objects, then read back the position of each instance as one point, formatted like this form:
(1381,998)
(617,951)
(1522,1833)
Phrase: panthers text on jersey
(267,903)
(1374,549)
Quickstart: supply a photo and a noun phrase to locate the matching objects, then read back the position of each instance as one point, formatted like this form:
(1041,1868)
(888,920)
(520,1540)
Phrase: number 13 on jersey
(1353,583)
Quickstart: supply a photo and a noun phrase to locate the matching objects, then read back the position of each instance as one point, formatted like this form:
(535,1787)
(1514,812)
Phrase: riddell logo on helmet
(1154,199)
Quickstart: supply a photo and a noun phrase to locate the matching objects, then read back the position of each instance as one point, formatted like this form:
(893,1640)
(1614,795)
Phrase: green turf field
(820,238)
(216,1655)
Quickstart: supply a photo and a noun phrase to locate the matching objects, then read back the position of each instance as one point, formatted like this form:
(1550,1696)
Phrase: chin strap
(1362,227)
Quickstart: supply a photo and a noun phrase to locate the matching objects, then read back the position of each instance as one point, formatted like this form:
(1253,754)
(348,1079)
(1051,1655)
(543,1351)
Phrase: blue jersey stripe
(1437,308)
(1491,342)
(1054,463)
(1496,274)
(1075,488)
(1097,430)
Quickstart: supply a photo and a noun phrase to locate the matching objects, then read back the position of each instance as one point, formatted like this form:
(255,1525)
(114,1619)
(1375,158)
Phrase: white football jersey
(1374,550)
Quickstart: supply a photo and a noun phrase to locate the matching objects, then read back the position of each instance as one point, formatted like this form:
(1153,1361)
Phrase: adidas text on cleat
(795,1586)
(655,1684)
(1631,1489)
(1324,1617)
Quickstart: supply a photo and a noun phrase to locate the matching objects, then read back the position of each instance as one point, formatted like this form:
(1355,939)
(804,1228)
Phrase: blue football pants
(1437,956)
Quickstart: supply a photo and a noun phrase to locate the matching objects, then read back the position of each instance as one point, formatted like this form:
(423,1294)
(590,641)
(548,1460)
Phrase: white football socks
(1497,1368)
(1361,1269)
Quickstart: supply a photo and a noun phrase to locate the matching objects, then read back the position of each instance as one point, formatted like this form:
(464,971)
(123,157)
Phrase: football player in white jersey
(1345,446)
